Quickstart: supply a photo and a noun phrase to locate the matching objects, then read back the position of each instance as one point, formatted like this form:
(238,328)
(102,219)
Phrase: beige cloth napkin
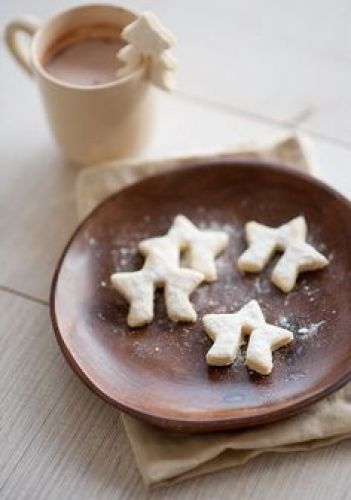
(164,457)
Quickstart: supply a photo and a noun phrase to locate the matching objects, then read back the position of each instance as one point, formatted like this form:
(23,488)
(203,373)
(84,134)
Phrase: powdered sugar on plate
(302,332)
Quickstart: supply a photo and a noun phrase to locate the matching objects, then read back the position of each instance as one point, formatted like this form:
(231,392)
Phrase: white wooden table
(249,70)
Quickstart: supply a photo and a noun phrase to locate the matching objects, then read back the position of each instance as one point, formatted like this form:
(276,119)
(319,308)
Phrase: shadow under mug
(90,123)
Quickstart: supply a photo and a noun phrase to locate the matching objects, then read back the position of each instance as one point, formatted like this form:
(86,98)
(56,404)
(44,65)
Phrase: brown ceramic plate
(158,373)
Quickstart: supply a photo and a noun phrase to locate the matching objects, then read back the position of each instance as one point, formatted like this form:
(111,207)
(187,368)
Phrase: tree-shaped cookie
(298,256)
(228,331)
(148,41)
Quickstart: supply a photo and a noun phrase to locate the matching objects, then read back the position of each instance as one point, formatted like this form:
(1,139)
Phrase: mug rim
(39,67)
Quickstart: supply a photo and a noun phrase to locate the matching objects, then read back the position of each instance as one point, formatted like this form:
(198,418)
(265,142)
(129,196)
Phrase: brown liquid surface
(84,59)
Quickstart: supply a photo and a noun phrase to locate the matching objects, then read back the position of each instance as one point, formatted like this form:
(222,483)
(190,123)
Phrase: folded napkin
(164,457)
(96,183)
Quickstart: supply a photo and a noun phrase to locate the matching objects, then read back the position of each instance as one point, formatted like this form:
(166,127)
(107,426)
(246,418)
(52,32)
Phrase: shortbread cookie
(298,256)
(149,42)
(138,287)
(200,247)
(228,331)
(263,341)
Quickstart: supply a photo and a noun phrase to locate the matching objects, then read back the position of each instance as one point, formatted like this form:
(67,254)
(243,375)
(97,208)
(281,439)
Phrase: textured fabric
(164,457)
(94,184)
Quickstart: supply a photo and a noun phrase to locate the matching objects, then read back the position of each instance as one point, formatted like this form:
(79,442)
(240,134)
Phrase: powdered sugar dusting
(312,329)
(302,332)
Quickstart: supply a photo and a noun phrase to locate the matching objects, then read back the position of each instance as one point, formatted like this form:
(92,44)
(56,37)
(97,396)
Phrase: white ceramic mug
(90,123)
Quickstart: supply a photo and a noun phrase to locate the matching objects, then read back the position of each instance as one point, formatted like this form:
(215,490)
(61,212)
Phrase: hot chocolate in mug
(91,120)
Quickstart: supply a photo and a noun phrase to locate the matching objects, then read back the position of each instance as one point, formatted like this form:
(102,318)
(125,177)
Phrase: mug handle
(28,25)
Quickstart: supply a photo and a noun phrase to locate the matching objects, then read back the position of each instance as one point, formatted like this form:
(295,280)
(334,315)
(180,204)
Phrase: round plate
(158,372)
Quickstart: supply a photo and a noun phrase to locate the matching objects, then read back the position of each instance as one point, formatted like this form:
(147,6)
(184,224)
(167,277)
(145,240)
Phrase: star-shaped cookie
(298,256)
(138,287)
(228,332)
(200,247)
